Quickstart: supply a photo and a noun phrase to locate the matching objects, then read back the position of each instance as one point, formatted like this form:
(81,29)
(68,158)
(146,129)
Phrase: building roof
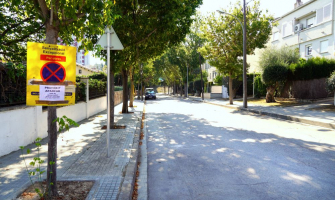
(89,69)
(292,11)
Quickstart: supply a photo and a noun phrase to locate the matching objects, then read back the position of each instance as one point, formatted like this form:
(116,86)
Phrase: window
(287,28)
(310,22)
(324,14)
(309,50)
(324,46)
(80,71)
(275,36)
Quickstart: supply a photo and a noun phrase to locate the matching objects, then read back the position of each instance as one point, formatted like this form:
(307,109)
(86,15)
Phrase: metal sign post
(108,91)
(110,38)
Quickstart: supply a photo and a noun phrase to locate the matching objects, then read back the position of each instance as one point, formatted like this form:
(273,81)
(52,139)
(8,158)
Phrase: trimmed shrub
(260,88)
(313,68)
(274,74)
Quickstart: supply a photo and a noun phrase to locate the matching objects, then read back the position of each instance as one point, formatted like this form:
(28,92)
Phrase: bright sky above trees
(277,8)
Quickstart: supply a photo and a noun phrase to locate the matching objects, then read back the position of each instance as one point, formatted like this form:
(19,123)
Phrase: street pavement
(82,155)
(82,152)
(202,151)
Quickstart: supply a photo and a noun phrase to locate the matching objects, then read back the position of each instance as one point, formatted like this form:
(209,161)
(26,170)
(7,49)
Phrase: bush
(331,82)
(313,68)
(218,80)
(274,74)
(118,88)
(260,88)
(197,85)
(13,84)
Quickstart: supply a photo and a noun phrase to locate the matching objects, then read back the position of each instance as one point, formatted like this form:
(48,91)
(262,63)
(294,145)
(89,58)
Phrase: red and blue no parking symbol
(53,72)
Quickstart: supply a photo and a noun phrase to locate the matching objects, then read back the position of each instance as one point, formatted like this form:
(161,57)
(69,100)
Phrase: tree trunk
(131,92)
(185,86)
(51,38)
(231,93)
(270,94)
(125,91)
(174,88)
(111,91)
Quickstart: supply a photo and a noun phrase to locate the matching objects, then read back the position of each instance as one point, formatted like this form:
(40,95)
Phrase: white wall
(18,128)
(309,36)
(22,125)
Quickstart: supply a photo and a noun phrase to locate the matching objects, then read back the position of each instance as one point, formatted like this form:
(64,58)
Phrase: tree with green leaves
(224,46)
(16,28)
(146,29)
(274,63)
(165,70)
(85,20)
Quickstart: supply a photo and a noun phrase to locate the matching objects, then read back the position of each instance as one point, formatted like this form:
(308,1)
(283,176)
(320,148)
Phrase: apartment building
(81,58)
(309,27)
(211,71)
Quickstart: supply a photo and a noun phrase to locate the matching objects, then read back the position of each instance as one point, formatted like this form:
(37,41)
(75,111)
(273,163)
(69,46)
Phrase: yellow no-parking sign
(51,74)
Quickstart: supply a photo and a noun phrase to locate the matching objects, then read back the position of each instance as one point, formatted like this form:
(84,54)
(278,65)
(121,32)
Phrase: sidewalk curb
(127,186)
(285,117)
(143,176)
(291,118)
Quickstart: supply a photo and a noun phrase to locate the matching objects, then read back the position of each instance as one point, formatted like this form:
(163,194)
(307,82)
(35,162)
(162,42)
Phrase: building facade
(81,58)
(212,72)
(309,27)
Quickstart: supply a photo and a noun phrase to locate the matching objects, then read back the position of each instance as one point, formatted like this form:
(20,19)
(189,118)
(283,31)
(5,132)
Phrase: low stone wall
(212,95)
(21,125)
(118,97)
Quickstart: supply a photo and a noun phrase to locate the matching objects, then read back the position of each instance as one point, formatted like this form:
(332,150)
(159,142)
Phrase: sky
(275,7)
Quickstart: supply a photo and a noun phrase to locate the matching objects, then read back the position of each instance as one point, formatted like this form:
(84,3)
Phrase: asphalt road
(198,151)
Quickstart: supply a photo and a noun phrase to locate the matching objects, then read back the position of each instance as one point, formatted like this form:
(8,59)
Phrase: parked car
(150,93)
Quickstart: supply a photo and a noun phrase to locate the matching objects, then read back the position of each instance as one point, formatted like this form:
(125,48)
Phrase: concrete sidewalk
(299,113)
(82,155)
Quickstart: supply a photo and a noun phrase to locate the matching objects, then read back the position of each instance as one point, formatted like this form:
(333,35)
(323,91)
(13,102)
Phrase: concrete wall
(21,125)
(212,95)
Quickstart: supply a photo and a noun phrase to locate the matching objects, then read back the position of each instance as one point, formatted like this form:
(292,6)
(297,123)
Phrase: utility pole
(201,86)
(141,82)
(244,58)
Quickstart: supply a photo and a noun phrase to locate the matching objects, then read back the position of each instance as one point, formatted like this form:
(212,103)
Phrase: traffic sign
(114,43)
(51,74)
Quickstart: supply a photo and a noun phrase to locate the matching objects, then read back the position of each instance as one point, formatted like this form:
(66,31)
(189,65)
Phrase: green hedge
(313,68)
(13,84)
(260,88)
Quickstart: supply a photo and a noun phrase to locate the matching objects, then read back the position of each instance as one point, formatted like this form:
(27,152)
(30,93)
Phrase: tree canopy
(16,28)
(224,42)
(147,28)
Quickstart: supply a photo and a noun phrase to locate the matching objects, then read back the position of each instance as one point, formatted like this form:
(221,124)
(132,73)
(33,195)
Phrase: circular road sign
(53,72)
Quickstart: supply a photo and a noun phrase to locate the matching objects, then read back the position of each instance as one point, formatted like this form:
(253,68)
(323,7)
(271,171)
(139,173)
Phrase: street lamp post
(244,53)
(201,86)
(141,82)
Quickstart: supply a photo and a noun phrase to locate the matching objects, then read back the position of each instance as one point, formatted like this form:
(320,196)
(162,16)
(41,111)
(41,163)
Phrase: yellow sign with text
(51,74)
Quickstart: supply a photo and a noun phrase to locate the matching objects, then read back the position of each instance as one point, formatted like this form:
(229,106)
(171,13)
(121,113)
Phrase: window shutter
(319,15)
(284,29)
(289,28)
(327,12)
